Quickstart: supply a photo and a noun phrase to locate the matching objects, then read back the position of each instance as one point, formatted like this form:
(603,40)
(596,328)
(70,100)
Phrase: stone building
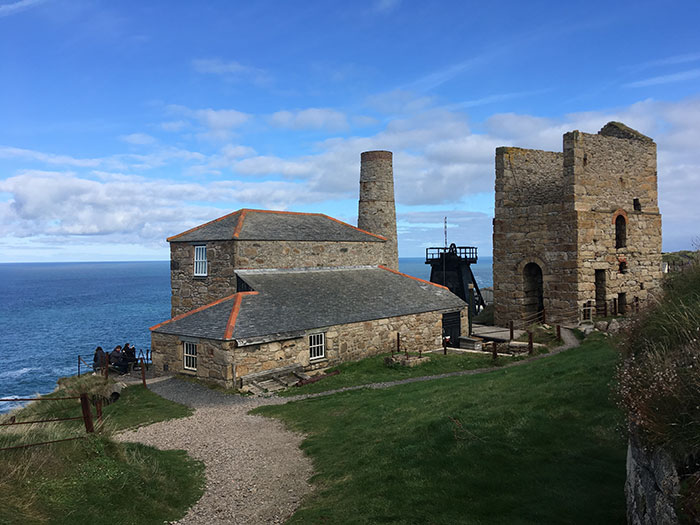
(576,228)
(259,291)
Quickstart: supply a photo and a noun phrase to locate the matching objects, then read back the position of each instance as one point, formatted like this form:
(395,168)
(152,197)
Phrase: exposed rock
(614,326)
(602,326)
(651,488)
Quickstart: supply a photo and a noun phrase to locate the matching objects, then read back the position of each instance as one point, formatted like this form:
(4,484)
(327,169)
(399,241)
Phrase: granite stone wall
(347,342)
(376,208)
(558,210)
(610,173)
(214,358)
(223,362)
(534,222)
(224,257)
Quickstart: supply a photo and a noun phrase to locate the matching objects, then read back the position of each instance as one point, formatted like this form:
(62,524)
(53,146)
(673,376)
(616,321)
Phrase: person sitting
(129,354)
(99,359)
(117,360)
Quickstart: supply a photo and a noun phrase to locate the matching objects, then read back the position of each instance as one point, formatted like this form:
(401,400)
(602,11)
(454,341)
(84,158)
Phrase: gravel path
(255,469)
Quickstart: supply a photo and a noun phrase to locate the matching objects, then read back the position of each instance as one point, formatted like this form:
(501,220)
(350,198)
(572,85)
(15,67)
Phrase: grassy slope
(96,480)
(373,370)
(531,444)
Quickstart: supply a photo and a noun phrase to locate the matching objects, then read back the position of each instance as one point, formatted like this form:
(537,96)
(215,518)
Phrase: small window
(200,261)
(620,232)
(189,355)
(637,205)
(622,267)
(317,346)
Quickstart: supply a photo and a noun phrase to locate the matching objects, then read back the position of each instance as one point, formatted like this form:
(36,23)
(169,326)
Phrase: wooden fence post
(544,316)
(87,413)
(510,325)
(78,366)
(529,343)
(493,350)
(558,332)
(143,373)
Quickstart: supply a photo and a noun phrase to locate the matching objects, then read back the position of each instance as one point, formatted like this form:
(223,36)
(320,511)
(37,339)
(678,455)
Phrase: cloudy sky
(122,123)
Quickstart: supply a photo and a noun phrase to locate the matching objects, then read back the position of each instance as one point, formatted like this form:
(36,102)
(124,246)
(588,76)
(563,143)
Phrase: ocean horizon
(50,313)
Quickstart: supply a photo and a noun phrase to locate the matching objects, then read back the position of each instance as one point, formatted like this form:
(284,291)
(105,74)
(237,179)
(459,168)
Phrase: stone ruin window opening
(622,267)
(317,346)
(533,289)
(620,232)
(637,205)
(622,303)
(600,292)
(189,353)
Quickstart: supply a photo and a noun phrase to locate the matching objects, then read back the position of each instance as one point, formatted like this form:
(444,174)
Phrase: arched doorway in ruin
(533,289)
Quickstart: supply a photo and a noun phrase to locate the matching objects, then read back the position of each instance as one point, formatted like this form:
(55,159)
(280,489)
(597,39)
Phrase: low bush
(659,376)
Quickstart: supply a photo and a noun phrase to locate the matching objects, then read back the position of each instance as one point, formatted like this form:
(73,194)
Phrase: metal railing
(86,417)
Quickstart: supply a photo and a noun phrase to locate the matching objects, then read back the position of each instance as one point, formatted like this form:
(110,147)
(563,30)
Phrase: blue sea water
(52,312)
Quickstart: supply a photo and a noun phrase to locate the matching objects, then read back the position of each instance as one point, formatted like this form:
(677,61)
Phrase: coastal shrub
(659,375)
(75,481)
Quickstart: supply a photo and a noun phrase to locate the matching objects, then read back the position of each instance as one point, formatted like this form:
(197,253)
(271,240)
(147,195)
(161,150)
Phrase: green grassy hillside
(539,443)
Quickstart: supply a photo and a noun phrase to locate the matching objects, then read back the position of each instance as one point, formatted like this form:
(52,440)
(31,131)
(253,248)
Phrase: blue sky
(122,123)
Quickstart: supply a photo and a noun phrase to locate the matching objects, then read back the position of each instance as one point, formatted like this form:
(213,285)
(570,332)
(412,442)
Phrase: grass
(537,443)
(94,480)
(373,370)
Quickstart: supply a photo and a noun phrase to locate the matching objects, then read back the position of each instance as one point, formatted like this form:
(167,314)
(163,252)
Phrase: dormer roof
(268,225)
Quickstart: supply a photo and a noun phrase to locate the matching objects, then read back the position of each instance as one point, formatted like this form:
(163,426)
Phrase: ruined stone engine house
(576,231)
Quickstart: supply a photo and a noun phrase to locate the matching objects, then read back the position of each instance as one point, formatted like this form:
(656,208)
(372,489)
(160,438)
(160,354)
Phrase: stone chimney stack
(377,210)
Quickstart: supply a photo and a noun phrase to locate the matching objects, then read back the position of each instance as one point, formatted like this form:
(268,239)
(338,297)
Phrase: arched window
(620,232)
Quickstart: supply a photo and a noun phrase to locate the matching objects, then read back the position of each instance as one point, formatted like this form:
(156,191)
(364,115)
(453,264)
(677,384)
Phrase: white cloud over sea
(443,165)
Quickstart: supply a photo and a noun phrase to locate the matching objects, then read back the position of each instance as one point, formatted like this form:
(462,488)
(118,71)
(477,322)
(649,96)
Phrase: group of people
(120,358)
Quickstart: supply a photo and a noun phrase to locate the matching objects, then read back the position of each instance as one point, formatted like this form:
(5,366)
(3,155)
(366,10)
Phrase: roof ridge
(303,269)
(172,238)
(412,277)
(182,316)
(231,323)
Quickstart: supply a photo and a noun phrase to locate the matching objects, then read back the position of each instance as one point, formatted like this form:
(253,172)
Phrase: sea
(52,313)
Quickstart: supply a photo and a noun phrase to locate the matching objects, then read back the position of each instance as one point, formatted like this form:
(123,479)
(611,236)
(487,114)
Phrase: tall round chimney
(377,210)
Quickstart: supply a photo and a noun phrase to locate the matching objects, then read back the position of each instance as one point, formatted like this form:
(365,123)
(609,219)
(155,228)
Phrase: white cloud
(138,139)
(311,118)
(7,152)
(230,69)
(16,7)
(218,123)
(665,79)
(174,125)
(385,6)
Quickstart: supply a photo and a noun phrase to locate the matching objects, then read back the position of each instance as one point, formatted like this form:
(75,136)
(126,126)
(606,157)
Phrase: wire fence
(86,417)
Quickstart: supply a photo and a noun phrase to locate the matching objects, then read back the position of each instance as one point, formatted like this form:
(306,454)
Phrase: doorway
(533,289)
(600,292)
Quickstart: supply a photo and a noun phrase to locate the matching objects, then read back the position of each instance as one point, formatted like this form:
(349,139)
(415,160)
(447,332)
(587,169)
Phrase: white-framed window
(317,346)
(189,354)
(200,261)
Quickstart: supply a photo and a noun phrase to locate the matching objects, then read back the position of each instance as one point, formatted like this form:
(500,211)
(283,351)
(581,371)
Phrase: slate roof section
(286,303)
(266,225)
